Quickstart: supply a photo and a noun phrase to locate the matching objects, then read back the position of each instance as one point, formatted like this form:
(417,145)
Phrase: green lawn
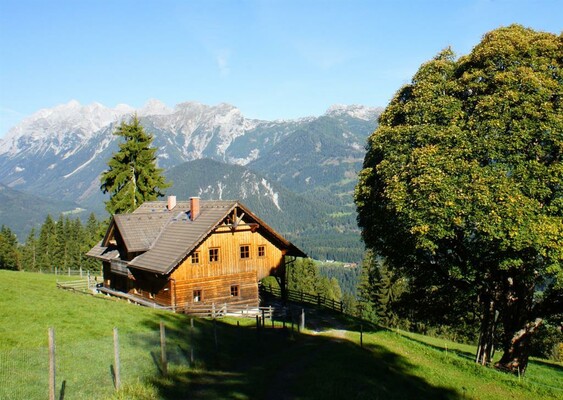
(242,364)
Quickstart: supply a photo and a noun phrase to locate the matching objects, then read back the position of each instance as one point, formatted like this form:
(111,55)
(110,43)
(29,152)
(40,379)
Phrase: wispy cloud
(5,111)
(222,59)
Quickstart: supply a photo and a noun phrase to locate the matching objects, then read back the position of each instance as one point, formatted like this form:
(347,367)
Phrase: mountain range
(298,175)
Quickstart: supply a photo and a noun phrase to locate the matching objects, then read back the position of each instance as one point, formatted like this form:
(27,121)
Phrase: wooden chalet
(180,254)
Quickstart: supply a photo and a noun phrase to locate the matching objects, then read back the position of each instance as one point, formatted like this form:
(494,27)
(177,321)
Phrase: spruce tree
(132,177)
(9,254)
(29,252)
(366,288)
(47,245)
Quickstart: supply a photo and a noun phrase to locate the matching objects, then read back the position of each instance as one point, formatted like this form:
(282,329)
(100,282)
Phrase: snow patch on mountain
(154,107)
(274,196)
(355,111)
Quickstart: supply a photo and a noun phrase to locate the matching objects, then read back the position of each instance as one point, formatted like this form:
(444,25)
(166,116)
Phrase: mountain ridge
(61,152)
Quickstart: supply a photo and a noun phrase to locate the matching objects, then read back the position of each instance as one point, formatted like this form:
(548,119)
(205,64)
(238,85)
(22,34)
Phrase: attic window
(214,255)
(195,257)
(261,251)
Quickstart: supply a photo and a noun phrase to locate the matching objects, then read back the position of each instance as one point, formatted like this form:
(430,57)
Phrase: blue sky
(272,59)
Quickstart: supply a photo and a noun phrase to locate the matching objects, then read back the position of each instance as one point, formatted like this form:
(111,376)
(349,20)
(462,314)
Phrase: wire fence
(96,368)
(84,369)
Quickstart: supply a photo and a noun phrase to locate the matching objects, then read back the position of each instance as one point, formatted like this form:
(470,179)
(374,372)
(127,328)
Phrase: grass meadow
(230,358)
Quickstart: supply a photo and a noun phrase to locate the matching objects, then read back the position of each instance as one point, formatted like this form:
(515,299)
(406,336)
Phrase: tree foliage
(304,276)
(9,254)
(132,177)
(62,244)
(463,182)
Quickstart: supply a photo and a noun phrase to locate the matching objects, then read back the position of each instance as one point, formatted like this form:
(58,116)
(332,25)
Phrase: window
(213,255)
(197,296)
(262,251)
(195,257)
(234,290)
(245,251)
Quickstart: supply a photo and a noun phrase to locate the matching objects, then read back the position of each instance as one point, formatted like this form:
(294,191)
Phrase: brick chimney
(194,208)
(171,202)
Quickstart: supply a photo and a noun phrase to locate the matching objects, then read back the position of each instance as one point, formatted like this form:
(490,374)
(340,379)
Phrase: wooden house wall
(216,278)
(217,289)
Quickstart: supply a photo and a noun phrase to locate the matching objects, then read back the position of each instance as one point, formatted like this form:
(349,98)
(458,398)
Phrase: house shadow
(274,363)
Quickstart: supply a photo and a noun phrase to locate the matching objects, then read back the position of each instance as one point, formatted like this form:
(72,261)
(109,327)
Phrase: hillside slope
(22,211)
(231,361)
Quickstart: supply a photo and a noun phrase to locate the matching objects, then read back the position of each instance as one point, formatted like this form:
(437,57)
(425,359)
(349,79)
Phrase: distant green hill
(22,211)
(318,227)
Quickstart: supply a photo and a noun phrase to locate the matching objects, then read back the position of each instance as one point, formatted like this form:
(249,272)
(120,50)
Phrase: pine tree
(92,234)
(47,245)
(389,288)
(29,252)
(9,254)
(132,177)
(366,288)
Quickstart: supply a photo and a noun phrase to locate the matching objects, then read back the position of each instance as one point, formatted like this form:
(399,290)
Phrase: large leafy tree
(462,185)
(132,177)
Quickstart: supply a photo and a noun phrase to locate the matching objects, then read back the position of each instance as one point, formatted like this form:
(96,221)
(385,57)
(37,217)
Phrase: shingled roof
(166,237)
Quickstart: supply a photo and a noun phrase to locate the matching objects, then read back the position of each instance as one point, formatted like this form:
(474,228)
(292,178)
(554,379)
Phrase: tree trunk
(518,324)
(487,331)
(517,349)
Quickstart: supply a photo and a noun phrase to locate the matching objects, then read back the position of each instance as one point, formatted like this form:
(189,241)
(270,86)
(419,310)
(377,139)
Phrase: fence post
(192,341)
(52,370)
(163,349)
(215,336)
(341,306)
(362,336)
(117,367)
(302,323)
(271,316)
(80,269)
(319,299)
(68,271)
(263,318)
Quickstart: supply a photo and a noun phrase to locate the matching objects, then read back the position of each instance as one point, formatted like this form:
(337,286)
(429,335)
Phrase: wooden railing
(307,298)
(219,310)
(80,285)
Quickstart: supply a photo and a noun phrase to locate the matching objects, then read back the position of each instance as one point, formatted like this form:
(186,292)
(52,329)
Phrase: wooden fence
(86,283)
(203,310)
(216,310)
(307,298)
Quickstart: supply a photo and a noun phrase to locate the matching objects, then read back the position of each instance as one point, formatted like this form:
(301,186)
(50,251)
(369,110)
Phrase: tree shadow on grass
(266,363)
(461,353)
